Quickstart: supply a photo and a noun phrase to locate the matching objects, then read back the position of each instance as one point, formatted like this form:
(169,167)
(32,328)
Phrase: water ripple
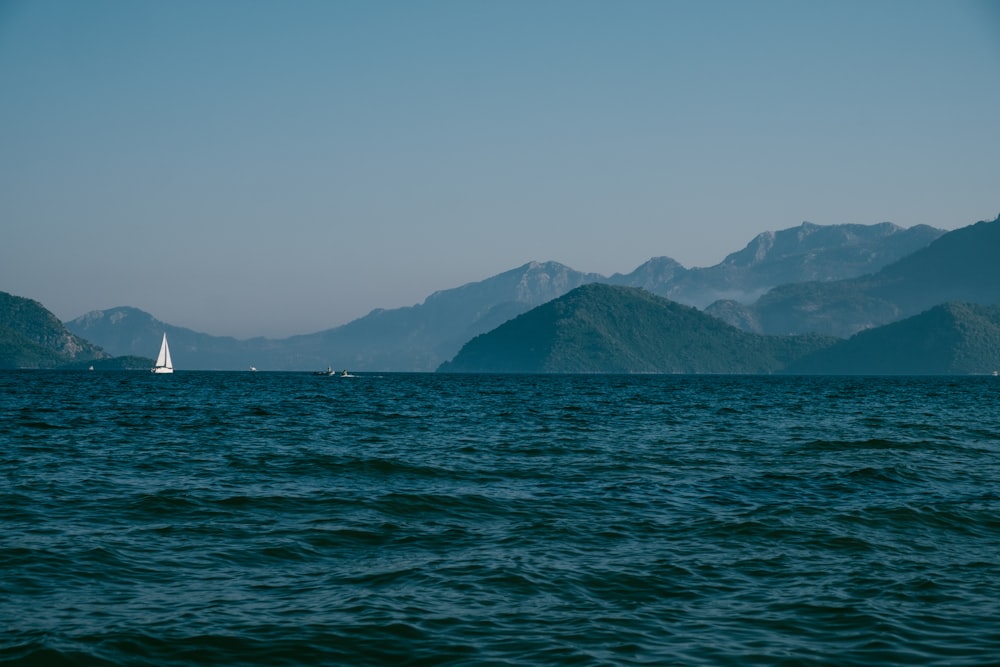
(222,518)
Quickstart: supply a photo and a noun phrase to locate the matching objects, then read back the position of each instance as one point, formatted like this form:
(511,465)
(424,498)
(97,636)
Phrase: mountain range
(962,265)
(845,281)
(423,336)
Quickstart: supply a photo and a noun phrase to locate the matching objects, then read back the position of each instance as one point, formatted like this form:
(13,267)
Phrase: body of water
(288,518)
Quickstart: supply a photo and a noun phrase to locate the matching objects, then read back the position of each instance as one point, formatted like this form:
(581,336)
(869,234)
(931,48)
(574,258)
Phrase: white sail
(163,362)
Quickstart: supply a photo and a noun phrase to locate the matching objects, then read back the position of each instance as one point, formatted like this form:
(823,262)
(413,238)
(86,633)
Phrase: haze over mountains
(421,337)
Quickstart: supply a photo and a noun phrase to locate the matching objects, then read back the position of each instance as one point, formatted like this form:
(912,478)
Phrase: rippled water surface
(268,519)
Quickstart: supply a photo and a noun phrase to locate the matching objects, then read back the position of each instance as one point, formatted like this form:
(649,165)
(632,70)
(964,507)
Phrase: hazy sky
(269,168)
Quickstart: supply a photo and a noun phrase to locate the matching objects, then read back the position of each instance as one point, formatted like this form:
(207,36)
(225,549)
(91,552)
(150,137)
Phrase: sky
(270,168)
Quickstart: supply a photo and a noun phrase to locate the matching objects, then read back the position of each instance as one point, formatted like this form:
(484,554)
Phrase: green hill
(950,339)
(607,329)
(32,337)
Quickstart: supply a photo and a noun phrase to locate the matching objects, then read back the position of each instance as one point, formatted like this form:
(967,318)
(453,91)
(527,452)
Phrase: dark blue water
(269,519)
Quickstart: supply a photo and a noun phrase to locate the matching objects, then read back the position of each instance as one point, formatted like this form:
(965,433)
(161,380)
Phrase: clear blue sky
(269,168)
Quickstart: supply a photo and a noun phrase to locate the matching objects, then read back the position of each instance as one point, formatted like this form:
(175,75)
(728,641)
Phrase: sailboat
(163,363)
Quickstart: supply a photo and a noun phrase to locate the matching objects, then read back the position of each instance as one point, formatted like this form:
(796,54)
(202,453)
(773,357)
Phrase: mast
(166,353)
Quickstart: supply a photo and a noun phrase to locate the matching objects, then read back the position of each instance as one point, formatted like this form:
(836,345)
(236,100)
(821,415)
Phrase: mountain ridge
(958,266)
(808,252)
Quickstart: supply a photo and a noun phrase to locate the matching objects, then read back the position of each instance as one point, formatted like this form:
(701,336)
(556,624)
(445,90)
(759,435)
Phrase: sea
(239,518)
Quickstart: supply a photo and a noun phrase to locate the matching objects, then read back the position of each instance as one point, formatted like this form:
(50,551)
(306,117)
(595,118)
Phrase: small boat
(163,362)
(328,371)
(253,369)
(345,374)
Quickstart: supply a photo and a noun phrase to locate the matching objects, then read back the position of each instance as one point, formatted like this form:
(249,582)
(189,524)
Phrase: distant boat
(328,371)
(253,369)
(163,363)
(345,374)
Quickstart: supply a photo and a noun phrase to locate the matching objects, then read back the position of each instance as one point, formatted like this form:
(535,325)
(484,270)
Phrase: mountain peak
(811,239)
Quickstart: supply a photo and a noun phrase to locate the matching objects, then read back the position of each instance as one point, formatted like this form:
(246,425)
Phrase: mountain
(961,265)
(415,338)
(949,339)
(805,253)
(130,331)
(32,337)
(421,337)
(601,328)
